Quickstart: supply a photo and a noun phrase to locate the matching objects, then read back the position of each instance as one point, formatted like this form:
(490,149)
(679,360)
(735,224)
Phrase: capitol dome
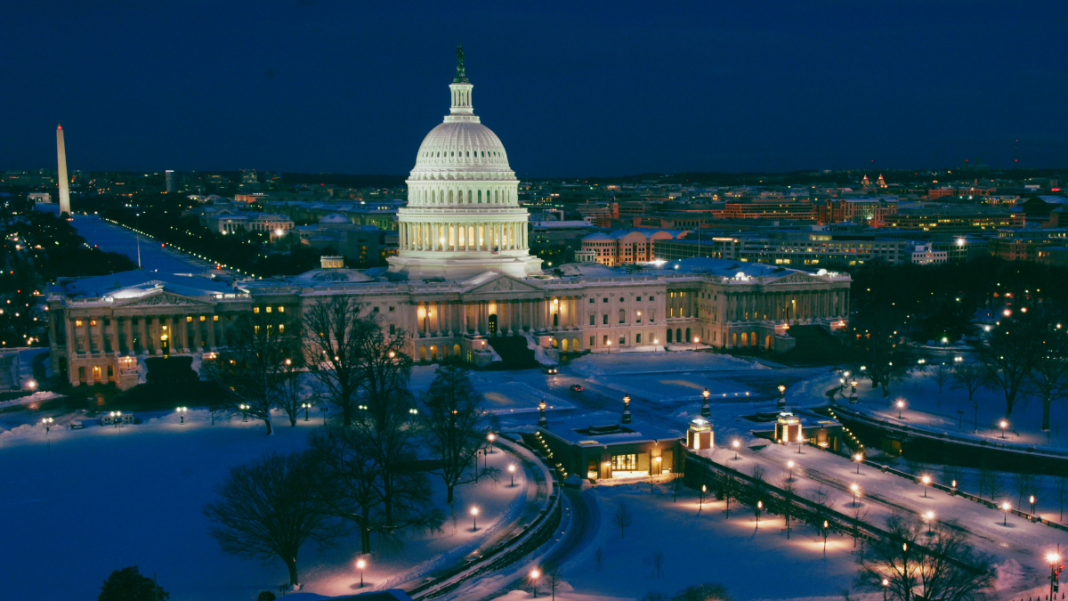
(463,216)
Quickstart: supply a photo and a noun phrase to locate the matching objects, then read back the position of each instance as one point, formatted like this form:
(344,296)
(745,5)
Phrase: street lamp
(47,421)
(360,565)
(656,343)
(1003,424)
(800,441)
(853,391)
(324,410)
(759,507)
(929,518)
(706,411)
(790,466)
(886,586)
(511,472)
(1054,573)
(926,482)
(244,411)
(782,396)
(181,414)
(859,459)
(534,575)
(32,384)
(701,503)
(305,407)
(413,412)
(1032,505)
(542,420)
(900,406)
(854,489)
(736,444)
(474,519)
(1006,507)
(626,409)
(609,352)
(116,417)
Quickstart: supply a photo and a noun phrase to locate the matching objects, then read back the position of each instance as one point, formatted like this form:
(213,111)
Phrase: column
(115,337)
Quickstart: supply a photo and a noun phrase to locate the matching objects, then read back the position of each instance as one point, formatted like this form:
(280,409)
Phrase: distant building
(622,247)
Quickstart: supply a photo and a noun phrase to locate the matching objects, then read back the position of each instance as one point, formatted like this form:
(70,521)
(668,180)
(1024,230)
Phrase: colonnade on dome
(463,237)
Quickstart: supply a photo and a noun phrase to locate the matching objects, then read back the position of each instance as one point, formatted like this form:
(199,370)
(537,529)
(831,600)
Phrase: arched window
(669,336)
(688,338)
(622,316)
(480,196)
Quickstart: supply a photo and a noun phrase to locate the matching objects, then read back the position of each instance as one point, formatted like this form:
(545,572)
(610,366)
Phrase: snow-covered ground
(83,503)
(925,407)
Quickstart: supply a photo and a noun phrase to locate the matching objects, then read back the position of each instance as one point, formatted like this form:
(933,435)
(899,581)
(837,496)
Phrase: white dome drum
(463,216)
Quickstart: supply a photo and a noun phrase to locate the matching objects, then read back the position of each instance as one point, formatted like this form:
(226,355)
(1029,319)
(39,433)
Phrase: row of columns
(464,196)
(149,330)
(484,236)
(786,306)
(450,318)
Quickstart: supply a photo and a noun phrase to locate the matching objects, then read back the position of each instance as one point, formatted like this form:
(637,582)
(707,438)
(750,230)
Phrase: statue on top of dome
(461,77)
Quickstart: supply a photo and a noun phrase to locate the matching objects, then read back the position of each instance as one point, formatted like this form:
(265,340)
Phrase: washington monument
(64,181)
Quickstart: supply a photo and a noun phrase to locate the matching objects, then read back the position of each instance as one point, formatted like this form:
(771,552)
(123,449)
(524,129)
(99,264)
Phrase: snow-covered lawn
(79,504)
(925,407)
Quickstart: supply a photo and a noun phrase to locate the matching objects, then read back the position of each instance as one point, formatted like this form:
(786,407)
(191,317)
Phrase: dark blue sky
(571,88)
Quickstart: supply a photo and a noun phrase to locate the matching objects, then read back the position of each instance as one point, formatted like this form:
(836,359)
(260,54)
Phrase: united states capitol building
(463,279)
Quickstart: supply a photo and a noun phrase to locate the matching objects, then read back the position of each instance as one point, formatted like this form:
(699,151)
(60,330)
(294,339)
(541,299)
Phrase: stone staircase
(514,353)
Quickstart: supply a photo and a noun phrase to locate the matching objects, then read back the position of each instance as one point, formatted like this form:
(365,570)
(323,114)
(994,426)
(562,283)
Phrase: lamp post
(858,458)
(960,419)
(306,407)
(511,472)
(900,406)
(1006,507)
(976,407)
(413,412)
(696,341)
(790,466)
(116,417)
(244,411)
(853,392)
(886,586)
(736,444)
(759,508)
(701,503)
(47,421)
(781,403)
(181,414)
(534,575)
(1032,505)
(1003,424)
(474,519)
(854,489)
(609,352)
(1054,573)
(626,409)
(706,411)
(360,565)
(656,343)
(905,569)
(800,441)
(324,409)
(926,481)
(542,420)
(929,518)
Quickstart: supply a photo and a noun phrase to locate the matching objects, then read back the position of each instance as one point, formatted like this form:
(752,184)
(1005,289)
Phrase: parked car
(549,369)
(577,388)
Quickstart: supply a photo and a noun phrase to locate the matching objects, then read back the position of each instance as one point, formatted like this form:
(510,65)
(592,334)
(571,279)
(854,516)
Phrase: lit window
(202,318)
(78,323)
(255,309)
(281,309)
(215,318)
(92,322)
(268,309)
(281,328)
(188,319)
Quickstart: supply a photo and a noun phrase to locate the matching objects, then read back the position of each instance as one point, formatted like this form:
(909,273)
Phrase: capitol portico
(463,279)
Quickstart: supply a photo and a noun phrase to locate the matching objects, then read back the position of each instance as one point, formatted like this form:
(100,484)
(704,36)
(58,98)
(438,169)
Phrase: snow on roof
(561,224)
(576,429)
(135,283)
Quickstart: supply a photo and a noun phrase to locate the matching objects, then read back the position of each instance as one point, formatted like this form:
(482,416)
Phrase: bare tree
(456,424)
(268,509)
(1061,487)
(1023,483)
(252,370)
(938,567)
(950,474)
(971,377)
(860,515)
(333,350)
(622,519)
(941,375)
(725,491)
(1009,359)
(553,580)
(1048,378)
(658,563)
(788,486)
(355,484)
(291,389)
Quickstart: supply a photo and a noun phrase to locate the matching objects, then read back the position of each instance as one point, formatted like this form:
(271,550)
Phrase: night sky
(610,88)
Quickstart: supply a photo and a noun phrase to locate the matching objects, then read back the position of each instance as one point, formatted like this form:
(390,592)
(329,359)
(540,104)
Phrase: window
(77,323)
(188,319)
(621,299)
(255,309)
(392,328)
(622,316)
(622,340)
(375,310)
(215,318)
(604,300)
(281,328)
(637,339)
(281,309)
(268,309)
(625,463)
(391,309)
(592,301)
(591,341)
(604,319)
(203,318)
(605,341)
(92,322)
(593,319)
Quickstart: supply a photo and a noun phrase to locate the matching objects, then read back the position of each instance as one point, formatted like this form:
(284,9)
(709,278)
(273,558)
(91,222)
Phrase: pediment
(797,278)
(503,283)
(161,299)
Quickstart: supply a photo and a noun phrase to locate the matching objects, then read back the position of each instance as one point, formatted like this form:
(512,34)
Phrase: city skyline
(339,89)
